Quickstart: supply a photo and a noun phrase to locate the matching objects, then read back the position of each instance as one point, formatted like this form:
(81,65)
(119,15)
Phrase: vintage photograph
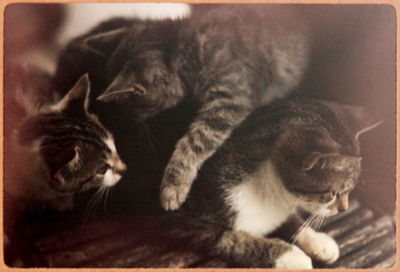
(173,135)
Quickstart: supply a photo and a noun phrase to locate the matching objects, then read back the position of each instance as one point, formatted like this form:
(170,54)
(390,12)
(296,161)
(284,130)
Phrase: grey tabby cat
(229,61)
(56,149)
(297,153)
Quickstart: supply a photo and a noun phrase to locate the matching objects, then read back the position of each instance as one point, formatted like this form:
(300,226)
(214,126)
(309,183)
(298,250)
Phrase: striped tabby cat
(54,149)
(229,60)
(298,153)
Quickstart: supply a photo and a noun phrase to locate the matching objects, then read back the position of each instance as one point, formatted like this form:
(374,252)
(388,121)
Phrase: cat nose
(120,167)
(341,204)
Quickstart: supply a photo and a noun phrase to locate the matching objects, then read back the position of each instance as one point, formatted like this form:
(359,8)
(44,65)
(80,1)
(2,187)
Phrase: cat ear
(104,43)
(124,84)
(329,160)
(74,162)
(71,165)
(76,101)
(311,161)
(359,119)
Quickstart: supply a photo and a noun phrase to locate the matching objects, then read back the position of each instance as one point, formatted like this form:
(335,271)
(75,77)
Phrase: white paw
(319,246)
(293,259)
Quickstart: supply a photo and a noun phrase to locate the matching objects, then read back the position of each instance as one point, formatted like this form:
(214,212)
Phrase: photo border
(394,3)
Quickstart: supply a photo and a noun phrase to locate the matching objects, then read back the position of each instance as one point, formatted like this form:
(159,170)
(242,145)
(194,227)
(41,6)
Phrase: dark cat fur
(229,61)
(293,153)
(54,147)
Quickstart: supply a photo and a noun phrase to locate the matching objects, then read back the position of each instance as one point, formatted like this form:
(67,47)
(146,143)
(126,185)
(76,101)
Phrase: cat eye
(103,169)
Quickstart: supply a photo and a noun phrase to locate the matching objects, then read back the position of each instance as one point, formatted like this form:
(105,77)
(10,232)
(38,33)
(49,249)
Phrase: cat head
(139,69)
(76,150)
(319,159)
(146,83)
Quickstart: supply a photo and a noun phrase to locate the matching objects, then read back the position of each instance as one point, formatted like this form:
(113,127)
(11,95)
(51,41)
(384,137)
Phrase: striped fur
(228,60)
(294,153)
(58,149)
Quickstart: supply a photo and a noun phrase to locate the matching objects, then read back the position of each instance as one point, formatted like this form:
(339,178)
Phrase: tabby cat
(54,149)
(229,61)
(294,153)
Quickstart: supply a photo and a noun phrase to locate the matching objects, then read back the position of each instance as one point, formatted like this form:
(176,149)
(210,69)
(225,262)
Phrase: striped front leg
(214,123)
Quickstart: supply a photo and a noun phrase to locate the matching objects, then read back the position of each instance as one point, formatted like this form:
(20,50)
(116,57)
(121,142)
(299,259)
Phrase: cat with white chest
(228,60)
(297,153)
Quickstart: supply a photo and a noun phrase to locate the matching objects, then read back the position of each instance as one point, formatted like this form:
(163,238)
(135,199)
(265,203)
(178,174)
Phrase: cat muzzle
(341,204)
(120,167)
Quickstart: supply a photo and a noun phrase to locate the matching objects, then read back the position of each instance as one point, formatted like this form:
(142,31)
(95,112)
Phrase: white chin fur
(316,208)
(110,178)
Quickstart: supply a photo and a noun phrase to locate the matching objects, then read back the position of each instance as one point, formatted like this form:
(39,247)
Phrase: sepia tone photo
(173,135)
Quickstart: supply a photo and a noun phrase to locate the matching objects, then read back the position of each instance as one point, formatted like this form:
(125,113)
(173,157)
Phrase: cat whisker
(319,222)
(140,134)
(296,235)
(94,200)
(90,206)
(322,222)
(306,224)
(106,196)
(148,137)
(155,139)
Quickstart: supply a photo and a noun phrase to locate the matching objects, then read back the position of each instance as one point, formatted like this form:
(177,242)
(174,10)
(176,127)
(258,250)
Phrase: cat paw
(319,246)
(174,189)
(295,258)
(172,196)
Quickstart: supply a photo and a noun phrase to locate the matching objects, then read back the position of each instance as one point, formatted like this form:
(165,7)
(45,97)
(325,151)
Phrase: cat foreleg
(250,251)
(317,245)
(209,130)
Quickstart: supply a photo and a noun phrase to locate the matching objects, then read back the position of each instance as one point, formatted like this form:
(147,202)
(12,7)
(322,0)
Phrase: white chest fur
(261,202)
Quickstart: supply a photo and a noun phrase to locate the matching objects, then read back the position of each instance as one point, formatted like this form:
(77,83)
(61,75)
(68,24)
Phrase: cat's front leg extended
(212,126)
(250,251)
(318,245)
